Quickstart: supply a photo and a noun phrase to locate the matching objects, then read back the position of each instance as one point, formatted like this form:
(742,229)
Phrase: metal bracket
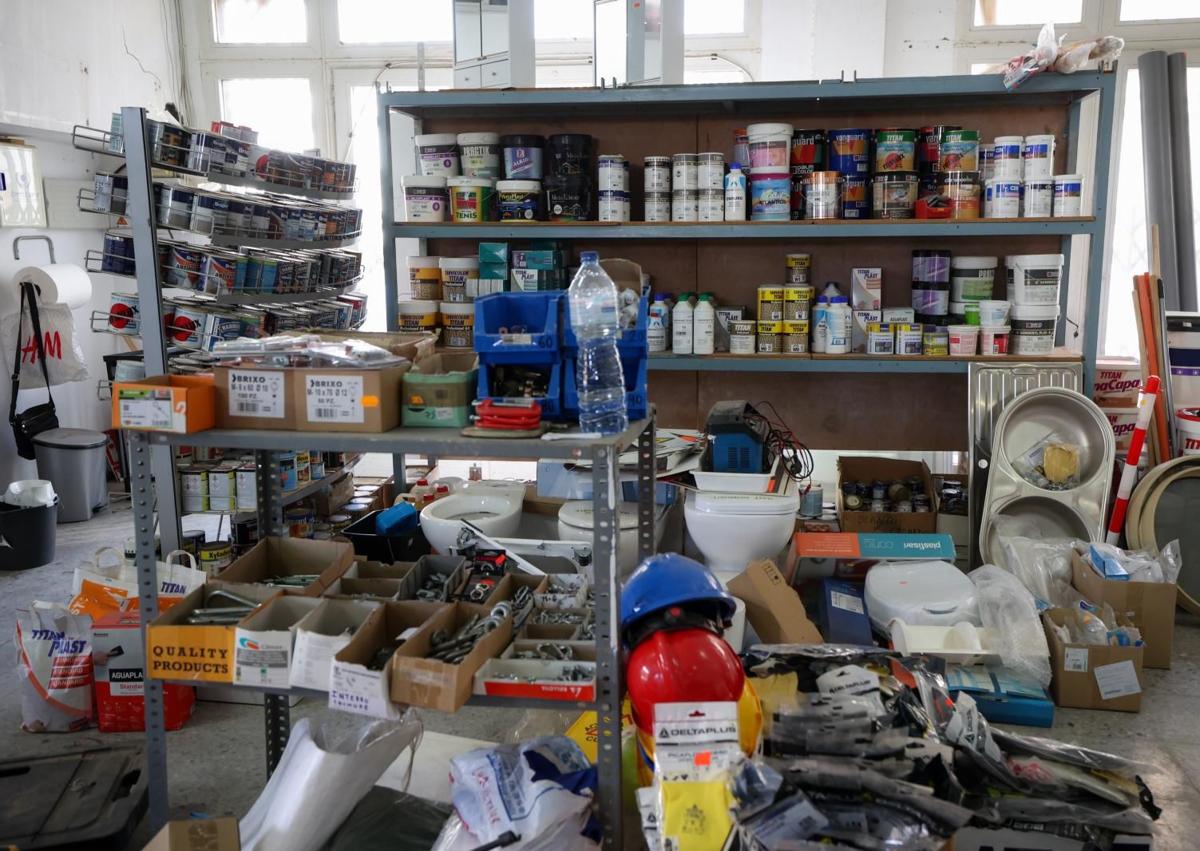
(278,721)
(605,492)
(17,245)
(646,482)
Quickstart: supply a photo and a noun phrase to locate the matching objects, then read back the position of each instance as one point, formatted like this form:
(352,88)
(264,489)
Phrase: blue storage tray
(552,407)
(536,314)
(636,395)
(631,344)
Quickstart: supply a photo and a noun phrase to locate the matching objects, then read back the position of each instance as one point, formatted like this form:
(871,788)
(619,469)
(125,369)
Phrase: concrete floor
(216,762)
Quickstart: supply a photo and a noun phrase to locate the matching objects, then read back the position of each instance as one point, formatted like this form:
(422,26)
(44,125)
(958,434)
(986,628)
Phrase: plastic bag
(321,777)
(100,587)
(1072,57)
(1137,566)
(54,662)
(64,357)
(1052,463)
(1042,56)
(1010,613)
(1043,565)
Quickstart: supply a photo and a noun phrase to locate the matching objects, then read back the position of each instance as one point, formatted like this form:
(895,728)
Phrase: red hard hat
(681,666)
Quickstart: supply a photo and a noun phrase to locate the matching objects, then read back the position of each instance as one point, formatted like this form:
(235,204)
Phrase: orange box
(180,404)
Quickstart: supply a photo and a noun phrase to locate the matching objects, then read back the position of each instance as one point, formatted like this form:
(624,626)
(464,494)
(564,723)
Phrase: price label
(142,410)
(256,393)
(334,398)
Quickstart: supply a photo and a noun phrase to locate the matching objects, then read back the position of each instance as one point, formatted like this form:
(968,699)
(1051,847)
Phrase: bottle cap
(735,166)
(589,257)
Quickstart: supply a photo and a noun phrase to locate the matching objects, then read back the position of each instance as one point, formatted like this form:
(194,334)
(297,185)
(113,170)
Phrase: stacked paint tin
(807,156)
(1023,183)
(770,150)
(931,286)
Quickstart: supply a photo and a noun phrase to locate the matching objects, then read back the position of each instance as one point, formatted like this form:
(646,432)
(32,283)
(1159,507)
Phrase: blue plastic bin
(537,317)
(631,344)
(552,407)
(636,397)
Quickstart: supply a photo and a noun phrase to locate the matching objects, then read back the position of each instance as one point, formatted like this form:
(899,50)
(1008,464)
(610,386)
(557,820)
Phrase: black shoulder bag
(39,418)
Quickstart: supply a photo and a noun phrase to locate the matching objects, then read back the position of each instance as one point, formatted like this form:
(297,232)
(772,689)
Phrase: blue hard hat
(670,579)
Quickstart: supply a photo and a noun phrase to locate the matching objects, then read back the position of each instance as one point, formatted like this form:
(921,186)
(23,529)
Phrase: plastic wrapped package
(1052,463)
(1010,613)
(1134,565)
(1072,57)
(1072,754)
(323,774)
(54,662)
(1042,56)
(1042,564)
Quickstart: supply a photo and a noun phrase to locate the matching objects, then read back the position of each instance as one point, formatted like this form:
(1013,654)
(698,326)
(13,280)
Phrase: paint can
(219,272)
(798,266)
(426,198)
(457,276)
(118,255)
(895,195)
(795,337)
(287,470)
(959,151)
(685,172)
(1005,200)
(962,192)
(769,146)
(823,195)
(881,339)
(895,150)
(424,277)
(987,162)
(471,198)
(193,485)
(303,468)
(222,488)
(856,199)
(1038,201)
(612,172)
(186,327)
(479,154)
(612,206)
(1037,152)
(316,465)
(1068,194)
(437,154)
(214,556)
(770,303)
(812,504)
(1033,328)
(1033,279)
(972,278)
(656,175)
(770,195)
(808,147)
(1006,157)
(796,301)
(685,205)
(519,200)
(770,337)
(741,147)
(849,151)
(711,205)
(123,313)
(909,338)
(246,483)
(458,325)
(658,206)
(299,522)
(710,172)
(568,199)
(175,206)
(800,175)
(935,342)
(741,336)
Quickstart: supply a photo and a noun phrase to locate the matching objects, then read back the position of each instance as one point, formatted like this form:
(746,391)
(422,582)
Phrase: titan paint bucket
(1187,421)
(418,315)
(959,151)
(457,273)
(471,198)
(895,150)
(1038,156)
(458,325)
(424,278)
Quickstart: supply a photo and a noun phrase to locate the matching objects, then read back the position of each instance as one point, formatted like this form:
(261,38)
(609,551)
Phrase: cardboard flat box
(330,500)
(539,679)
(1149,605)
(354,684)
(849,555)
(868,469)
(1093,676)
(438,391)
(204,653)
(320,635)
(254,397)
(180,404)
(434,684)
(356,400)
(584,651)
(214,834)
(263,641)
(772,606)
(277,557)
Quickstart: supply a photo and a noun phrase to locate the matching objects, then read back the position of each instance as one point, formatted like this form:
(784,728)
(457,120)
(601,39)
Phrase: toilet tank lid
(71,438)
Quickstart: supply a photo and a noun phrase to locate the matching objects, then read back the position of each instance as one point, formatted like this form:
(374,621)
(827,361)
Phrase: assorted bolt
(436,586)
(452,649)
(299,580)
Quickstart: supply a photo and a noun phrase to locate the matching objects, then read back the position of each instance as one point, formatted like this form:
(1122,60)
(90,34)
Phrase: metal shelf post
(606,490)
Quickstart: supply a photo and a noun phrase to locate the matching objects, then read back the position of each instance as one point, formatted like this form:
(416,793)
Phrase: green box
(439,390)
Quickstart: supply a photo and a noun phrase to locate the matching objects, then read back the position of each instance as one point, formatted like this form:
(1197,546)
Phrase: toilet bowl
(494,508)
(575,523)
(733,529)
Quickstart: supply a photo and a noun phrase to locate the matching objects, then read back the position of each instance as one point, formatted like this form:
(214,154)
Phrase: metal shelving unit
(960,365)
(604,456)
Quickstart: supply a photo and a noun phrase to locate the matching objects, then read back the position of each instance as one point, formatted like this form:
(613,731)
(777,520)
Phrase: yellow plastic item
(1060,462)
(696,816)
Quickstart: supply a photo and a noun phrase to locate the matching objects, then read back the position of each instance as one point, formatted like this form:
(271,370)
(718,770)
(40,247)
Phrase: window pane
(1005,13)
(713,17)
(1152,10)
(261,21)
(562,19)
(279,108)
(394,21)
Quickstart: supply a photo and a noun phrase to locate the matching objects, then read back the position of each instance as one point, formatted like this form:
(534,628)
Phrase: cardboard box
(438,392)
(539,679)
(583,651)
(180,404)
(263,641)
(866,288)
(868,469)
(276,557)
(254,397)
(356,686)
(1117,383)
(843,613)
(204,653)
(849,555)
(214,834)
(434,684)
(380,589)
(320,635)
(898,315)
(329,500)
(363,568)
(356,400)
(858,328)
(1149,605)
(772,606)
(119,664)
(1083,674)
(455,567)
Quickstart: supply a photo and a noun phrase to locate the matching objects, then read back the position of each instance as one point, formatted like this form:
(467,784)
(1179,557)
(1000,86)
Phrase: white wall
(64,63)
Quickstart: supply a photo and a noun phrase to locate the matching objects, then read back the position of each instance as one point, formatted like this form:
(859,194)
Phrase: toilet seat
(745,503)
(578,514)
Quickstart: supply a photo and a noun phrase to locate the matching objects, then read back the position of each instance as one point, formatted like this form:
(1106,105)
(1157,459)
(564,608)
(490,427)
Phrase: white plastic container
(657,321)
(1038,201)
(735,194)
(1005,198)
(458,325)
(987,154)
(479,154)
(437,153)
(425,278)
(820,324)
(1187,421)
(612,173)
(972,278)
(457,275)
(964,339)
(426,198)
(993,339)
(838,320)
(770,145)
(1033,328)
(1033,278)
(993,312)
(1068,194)
(1006,157)
(682,326)
(1038,155)
(419,315)
(704,322)
(922,593)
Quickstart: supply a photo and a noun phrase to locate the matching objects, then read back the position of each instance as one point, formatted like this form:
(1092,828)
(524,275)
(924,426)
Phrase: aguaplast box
(263,641)
(119,663)
(357,400)
(439,390)
(254,397)
(773,608)
(274,557)
(354,684)
(1093,676)
(849,555)
(433,684)
(214,834)
(320,635)
(869,469)
(180,404)
(1149,605)
(201,652)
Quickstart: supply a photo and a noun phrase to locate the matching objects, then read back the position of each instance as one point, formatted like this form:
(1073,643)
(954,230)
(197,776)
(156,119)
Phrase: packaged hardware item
(54,661)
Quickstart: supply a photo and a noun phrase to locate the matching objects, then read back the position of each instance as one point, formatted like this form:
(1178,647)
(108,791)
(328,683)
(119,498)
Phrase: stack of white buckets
(1033,282)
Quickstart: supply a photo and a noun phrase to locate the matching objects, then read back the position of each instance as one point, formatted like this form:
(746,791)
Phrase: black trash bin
(27,535)
(405,547)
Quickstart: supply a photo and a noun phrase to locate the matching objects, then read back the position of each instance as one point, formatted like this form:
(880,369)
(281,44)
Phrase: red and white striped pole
(1129,473)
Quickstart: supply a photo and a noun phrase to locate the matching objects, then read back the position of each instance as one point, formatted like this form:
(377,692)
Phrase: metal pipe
(1156,155)
(1181,171)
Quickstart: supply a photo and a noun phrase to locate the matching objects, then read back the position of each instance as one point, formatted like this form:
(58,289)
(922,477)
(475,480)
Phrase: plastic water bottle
(598,374)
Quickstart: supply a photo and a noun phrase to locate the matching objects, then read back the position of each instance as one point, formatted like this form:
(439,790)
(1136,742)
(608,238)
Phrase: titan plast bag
(54,661)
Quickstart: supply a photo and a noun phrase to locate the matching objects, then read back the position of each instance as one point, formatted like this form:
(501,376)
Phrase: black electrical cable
(794,456)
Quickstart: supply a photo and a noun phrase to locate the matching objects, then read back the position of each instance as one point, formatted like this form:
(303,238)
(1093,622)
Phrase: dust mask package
(55,664)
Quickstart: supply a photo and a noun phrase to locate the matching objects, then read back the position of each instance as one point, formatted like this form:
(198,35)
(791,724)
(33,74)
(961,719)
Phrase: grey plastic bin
(73,460)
